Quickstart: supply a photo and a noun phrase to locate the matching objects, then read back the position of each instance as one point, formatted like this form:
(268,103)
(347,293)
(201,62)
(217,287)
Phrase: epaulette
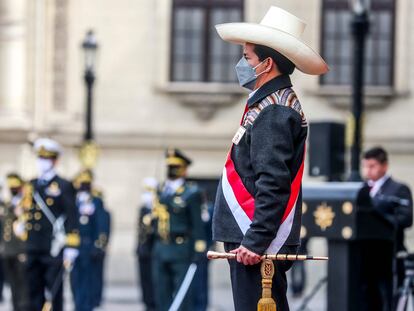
(97,193)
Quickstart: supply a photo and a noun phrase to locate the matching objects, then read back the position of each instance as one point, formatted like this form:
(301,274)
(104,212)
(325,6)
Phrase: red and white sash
(242,203)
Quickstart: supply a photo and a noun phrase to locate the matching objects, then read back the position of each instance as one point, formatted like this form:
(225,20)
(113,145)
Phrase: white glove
(19,228)
(69,256)
(147,199)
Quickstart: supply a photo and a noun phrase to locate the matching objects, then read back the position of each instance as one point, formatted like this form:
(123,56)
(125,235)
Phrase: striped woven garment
(285,97)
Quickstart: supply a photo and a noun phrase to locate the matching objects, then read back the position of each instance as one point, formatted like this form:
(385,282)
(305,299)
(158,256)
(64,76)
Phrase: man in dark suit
(393,201)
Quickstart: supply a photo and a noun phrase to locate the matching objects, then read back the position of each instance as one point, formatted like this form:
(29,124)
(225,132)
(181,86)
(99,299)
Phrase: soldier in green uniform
(179,232)
(13,245)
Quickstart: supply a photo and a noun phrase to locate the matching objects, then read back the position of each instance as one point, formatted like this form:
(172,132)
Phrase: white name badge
(239,134)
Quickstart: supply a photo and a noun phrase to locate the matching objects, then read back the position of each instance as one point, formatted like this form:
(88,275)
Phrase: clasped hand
(245,256)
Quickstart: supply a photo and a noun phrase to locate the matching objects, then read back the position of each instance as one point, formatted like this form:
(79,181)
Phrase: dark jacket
(59,196)
(11,245)
(401,215)
(267,159)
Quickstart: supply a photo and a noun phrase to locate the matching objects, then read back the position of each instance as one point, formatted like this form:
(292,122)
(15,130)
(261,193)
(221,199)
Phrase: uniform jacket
(59,195)
(105,228)
(90,230)
(267,159)
(186,235)
(399,215)
(11,245)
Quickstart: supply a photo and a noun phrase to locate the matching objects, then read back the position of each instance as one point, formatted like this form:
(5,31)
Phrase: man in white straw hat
(258,204)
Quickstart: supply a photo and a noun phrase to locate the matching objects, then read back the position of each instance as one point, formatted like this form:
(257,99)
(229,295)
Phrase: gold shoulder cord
(25,205)
(160,212)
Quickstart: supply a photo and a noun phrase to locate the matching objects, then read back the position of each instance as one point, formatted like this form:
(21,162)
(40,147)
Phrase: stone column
(12,61)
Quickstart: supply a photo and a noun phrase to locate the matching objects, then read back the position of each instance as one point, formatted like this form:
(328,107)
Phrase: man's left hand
(246,257)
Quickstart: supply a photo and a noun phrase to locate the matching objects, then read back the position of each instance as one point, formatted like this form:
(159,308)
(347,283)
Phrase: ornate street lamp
(359,30)
(90,47)
(89,150)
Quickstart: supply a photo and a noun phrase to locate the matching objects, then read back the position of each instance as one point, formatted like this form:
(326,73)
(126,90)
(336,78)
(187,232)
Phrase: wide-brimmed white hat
(280,31)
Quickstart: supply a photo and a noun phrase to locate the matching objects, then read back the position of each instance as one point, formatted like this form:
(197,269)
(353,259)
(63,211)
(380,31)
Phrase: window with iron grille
(197,52)
(337,44)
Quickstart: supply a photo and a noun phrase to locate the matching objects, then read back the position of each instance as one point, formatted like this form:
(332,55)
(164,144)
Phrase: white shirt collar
(376,185)
(48,176)
(253,92)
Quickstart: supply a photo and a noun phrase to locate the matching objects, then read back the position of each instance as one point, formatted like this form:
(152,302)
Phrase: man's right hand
(245,256)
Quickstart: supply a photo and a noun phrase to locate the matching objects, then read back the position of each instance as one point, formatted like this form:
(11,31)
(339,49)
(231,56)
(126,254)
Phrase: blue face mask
(246,74)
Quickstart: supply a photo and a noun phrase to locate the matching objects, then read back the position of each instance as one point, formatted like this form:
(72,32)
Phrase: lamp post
(89,149)
(359,30)
(89,46)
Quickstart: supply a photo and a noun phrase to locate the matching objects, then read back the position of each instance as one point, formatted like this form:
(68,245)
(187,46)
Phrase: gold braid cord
(160,212)
(266,303)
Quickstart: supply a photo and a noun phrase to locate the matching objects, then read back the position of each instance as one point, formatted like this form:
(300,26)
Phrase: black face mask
(14,191)
(85,187)
(175,171)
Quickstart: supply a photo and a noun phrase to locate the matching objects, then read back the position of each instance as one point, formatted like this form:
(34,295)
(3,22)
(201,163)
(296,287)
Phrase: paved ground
(125,297)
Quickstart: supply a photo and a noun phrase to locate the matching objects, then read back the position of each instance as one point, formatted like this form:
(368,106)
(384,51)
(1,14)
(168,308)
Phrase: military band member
(90,208)
(13,244)
(52,228)
(392,200)
(145,243)
(179,232)
(258,205)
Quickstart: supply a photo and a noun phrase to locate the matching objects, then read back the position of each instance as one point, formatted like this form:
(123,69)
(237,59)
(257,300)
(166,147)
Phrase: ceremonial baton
(283,257)
(267,270)
(179,297)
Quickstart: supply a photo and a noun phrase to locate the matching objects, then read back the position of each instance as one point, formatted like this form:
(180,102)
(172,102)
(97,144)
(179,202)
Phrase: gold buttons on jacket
(38,215)
(49,201)
(179,240)
(29,226)
(347,208)
(200,246)
(84,220)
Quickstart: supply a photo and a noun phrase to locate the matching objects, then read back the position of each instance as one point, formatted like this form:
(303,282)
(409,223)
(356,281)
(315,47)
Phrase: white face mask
(44,165)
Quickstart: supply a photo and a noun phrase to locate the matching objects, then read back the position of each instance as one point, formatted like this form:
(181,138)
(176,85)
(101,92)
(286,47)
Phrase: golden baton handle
(283,257)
